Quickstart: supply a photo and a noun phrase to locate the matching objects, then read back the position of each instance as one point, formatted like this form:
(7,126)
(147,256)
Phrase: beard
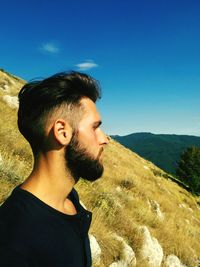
(81,163)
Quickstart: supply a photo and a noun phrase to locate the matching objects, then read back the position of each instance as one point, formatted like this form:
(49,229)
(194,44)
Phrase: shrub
(189,168)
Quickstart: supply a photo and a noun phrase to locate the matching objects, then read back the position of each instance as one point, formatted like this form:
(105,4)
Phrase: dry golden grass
(10,84)
(121,200)
(128,185)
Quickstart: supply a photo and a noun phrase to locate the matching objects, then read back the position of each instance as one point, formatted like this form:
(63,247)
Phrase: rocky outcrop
(4,87)
(11,101)
(128,259)
(173,261)
(151,251)
(95,250)
(155,207)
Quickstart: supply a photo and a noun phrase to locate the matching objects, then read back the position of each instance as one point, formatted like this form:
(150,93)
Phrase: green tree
(188,169)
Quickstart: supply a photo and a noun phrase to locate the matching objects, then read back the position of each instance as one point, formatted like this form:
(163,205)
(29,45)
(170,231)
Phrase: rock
(151,250)
(4,87)
(129,258)
(12,101)
(156,208)
(95,250)
(173,261)
(118,189)
(82,204)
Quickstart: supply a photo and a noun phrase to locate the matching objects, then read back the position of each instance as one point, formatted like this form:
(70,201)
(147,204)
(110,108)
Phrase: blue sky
(145,53)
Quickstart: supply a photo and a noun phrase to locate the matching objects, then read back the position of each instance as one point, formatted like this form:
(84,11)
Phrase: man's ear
(62,131)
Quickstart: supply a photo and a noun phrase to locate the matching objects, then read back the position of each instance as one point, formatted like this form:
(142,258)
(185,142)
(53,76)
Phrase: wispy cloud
(50,48)
(87,65)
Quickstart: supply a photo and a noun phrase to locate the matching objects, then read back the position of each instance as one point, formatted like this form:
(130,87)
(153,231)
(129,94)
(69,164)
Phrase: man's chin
(91,177)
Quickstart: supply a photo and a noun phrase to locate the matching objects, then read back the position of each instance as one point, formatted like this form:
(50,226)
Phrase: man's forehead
(90,108)
(90,112)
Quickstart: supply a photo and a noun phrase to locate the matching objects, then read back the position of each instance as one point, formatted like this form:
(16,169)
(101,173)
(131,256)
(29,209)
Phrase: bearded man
(42,223)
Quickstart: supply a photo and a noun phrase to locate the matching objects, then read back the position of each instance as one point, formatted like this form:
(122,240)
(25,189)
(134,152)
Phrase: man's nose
(104,139)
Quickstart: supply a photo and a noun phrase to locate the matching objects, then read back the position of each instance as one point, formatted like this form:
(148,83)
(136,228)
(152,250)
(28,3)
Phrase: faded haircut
(58,95)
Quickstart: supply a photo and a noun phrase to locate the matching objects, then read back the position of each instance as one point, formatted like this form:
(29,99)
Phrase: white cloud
(50,48)
(86,65)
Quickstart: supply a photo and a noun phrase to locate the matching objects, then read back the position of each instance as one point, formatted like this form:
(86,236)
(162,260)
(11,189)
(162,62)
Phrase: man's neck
(51,183)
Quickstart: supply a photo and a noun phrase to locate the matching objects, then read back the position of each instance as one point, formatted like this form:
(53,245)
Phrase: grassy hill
(162,149)
(132,193)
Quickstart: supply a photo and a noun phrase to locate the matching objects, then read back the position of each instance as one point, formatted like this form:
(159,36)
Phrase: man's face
(84,152)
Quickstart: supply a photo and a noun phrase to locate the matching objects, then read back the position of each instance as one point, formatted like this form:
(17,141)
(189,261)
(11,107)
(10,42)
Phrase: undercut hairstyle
(58,95)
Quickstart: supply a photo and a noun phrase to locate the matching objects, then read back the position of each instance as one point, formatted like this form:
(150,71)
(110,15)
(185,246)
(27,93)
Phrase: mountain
(139,214)
(162,149)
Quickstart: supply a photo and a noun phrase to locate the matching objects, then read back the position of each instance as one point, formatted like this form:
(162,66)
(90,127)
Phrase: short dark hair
(40,99)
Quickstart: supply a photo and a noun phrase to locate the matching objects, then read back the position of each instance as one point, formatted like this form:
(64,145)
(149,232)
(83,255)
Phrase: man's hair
(58,94)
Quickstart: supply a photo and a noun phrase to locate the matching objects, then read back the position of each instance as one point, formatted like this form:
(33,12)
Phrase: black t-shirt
(33,234)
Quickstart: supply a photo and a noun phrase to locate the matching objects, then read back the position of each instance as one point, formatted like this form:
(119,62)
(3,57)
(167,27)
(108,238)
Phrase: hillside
(140,217)
(162,149)
(9,83)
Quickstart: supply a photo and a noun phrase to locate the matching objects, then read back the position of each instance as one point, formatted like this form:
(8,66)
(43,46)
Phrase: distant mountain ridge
(162,149)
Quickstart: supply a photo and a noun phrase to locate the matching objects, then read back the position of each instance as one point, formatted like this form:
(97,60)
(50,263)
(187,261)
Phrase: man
(42,223)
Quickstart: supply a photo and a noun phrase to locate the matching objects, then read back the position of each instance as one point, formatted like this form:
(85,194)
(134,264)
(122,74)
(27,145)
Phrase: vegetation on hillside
(189,168)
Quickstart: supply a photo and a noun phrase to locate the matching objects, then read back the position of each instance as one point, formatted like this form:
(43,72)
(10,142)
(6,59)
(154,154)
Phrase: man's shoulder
(19,217)
(22,221)
(14,205)
(13,215)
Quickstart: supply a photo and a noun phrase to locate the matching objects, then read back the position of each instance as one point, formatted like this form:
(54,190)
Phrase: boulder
(156,209)
(151,250)
(173,261)
(11,101)
(128,259)
(95,250)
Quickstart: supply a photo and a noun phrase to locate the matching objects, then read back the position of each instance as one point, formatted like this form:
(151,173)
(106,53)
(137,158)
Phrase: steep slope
(134,200)
(9,84)
(162,149)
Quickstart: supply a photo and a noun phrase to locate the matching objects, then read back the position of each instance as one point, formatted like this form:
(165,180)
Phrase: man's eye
(96,127)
